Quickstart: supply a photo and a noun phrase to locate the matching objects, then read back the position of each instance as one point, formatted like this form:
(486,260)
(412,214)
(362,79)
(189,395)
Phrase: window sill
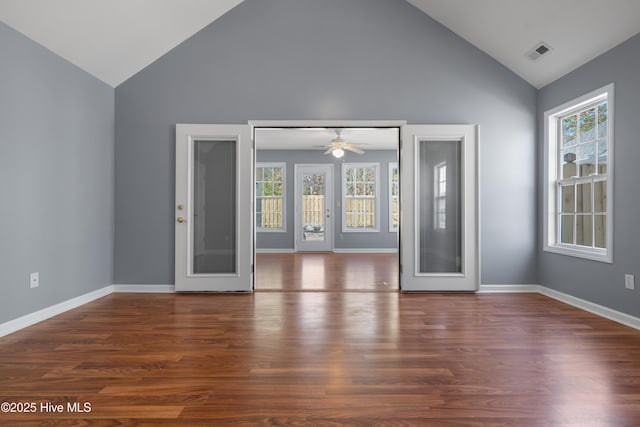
(585,253)
(360,230)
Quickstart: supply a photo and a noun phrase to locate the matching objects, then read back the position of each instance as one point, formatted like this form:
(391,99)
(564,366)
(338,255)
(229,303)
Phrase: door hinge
(252,269)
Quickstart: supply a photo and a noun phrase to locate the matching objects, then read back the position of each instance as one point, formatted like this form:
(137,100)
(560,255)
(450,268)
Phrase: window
(393,197)
(360,197)
(440,196)
(270,197)
(579,170)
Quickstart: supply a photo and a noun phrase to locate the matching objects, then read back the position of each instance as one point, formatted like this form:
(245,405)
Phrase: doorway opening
(327,208)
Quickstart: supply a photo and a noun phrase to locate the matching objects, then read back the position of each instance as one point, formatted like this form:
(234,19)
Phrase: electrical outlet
(629,281)
(34,280)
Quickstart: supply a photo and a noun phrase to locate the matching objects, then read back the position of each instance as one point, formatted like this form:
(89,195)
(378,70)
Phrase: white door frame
(325,124)
(327,243)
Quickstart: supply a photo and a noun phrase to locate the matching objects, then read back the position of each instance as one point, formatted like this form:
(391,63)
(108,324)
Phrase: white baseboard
(365,250)
(511,289)
(46,313)
(607,313)
(139,289)
(274,251)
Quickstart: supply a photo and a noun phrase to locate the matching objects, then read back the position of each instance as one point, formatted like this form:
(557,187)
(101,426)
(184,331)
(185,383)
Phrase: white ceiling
(577,30)
(111,39)
(114,39)
(319,138)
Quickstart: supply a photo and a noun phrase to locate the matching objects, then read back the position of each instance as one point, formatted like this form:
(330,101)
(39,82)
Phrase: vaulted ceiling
(114,39)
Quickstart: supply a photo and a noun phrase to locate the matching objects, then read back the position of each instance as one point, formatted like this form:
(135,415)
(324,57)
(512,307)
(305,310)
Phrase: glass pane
(600,196)
(566,229)
(350,189)
(259,221)
(603,156)
(394,211)
(569,130)
(603,120)
(371,190)
(214,207)
(370,175)
(313,201)
(268,174)
(568,199)
(584,230)
(569,162)
(439,218)
(588,125)
(583,197)
(600,228)
(587,159)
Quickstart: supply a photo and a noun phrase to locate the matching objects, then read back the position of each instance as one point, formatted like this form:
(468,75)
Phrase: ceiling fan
(337,146)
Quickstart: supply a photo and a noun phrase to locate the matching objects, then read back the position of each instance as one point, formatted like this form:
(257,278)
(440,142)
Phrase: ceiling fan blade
(329,150)
(353,149)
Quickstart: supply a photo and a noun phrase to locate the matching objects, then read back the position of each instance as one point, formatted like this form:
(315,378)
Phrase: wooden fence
(271,213)
(313,210)
(359,212)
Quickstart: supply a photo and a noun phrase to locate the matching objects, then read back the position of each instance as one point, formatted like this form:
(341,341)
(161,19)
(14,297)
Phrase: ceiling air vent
(539,50)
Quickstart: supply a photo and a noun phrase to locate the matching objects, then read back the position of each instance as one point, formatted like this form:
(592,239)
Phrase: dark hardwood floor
(297,358)
(322,271)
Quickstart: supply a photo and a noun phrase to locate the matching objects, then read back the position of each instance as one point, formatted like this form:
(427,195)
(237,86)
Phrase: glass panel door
(439,244)
(214,225)
(314,219)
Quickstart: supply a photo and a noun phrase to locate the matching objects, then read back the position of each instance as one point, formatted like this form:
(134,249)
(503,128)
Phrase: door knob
(180,219)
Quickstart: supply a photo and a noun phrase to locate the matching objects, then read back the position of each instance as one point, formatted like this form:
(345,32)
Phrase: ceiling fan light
(338,153)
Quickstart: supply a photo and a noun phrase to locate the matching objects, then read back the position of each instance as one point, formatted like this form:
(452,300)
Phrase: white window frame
(393,165)
(376,228)
(552,175)
(282,229)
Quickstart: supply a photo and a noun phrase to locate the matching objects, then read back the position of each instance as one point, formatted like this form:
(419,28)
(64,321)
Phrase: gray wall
(595,281)
(56,178)
(329,59)
(381,240)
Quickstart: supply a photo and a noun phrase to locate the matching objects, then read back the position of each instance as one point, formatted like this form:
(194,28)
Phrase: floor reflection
(327,272)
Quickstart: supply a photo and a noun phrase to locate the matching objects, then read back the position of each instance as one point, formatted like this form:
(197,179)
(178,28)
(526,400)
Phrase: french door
(439,205)
(314,208)
(213,210)
(214,207)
